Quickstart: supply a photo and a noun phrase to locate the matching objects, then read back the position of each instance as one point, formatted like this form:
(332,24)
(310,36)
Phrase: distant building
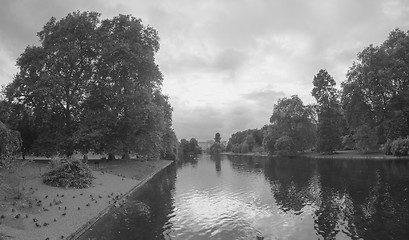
(205,145)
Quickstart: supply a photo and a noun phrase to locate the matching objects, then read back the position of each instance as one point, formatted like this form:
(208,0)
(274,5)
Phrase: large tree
(93,85)
(377,88)
(328,109)
(293,119)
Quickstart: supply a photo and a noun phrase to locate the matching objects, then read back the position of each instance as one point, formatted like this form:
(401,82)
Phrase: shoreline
(68,213)
(90,223)
(344,155)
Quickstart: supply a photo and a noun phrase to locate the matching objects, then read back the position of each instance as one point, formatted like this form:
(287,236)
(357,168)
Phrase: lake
(242,197)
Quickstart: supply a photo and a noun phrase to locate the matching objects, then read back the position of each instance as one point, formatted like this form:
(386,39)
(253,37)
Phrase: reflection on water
(231,197)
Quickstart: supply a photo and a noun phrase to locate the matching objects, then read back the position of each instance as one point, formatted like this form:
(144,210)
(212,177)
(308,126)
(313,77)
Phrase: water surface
(229,197)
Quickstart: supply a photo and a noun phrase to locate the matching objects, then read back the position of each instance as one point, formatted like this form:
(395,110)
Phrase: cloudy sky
(226,62)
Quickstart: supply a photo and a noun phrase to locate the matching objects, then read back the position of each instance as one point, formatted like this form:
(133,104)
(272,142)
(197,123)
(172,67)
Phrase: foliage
(244,148)
(69,173)
(348,142)
(291,118)
(285,146)
(365,138)
(400,147)
(250,142)
(217,138)
(329,135)
(387,147)
(91,85)
(258,150)
(240,148)
(376,91)
(216,148)
(10,144)
(253,137)
(189,147)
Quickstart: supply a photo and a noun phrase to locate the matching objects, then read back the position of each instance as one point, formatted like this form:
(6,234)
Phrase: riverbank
(46,212)
(350,154)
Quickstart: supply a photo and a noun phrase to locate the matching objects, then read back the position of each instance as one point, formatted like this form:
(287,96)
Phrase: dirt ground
(29,209)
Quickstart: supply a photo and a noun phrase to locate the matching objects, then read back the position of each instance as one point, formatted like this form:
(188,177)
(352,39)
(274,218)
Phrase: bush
(400,147)
(284,146)
(69,173)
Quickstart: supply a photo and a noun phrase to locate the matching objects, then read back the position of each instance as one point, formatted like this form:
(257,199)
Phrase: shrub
(400,147)
(284,146)
(69,173)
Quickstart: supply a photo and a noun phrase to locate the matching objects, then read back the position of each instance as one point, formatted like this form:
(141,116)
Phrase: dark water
(244,197)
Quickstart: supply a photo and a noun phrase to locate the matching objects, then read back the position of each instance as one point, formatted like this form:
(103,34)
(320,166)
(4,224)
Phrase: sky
(227,62)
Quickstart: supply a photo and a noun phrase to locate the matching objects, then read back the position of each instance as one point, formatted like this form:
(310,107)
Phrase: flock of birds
(46,204)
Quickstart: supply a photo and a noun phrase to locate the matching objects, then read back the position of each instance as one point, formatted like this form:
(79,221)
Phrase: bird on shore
(37,224)
(87,204)
(45,224)
(64,214)
(35,220)
(17,216)
(46,196)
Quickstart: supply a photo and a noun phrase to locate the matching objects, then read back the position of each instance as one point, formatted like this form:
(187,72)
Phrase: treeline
(370,111)
(91,85)
(250,140)
(189,147)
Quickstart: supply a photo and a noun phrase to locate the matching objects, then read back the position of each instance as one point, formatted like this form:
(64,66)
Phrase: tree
(217,138)
(10,144)
(292,118)
(250,142)
(284,146)
(365,138)
(329,135)
(93,85)
(217,147)
(378,80)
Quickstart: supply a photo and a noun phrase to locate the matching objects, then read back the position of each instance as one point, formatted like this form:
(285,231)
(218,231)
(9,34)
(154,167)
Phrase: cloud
(225,63)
